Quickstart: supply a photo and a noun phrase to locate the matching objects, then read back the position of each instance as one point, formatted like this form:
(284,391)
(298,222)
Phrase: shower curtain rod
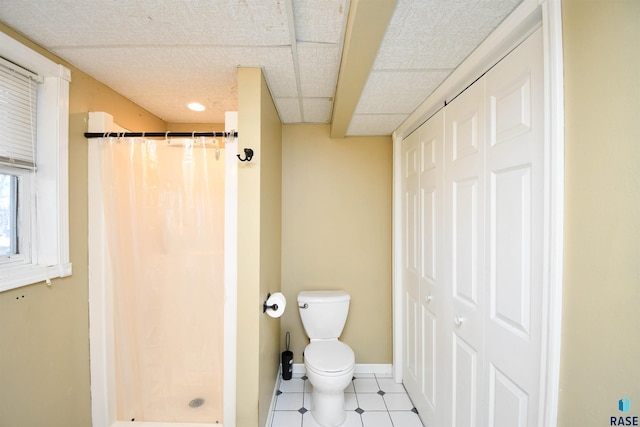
(159,134)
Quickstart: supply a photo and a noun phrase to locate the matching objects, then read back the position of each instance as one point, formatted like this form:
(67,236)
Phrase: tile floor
(371,400)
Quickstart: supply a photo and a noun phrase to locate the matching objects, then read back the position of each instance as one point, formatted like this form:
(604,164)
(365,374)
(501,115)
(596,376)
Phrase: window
(8,214)
(15,230)
(34,116)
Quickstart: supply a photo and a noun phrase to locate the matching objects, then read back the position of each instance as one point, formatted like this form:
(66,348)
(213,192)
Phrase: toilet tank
(323,313)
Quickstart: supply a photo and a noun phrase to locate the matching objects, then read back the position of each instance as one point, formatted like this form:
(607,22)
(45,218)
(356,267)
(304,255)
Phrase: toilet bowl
(329,363)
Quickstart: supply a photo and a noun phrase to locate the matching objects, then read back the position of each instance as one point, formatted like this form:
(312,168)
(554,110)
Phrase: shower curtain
(164,218)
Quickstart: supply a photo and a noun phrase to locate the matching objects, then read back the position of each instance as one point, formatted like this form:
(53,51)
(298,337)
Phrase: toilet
(329,363)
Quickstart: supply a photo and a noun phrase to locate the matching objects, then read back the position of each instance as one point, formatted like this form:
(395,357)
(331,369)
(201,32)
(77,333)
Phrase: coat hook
(248,155)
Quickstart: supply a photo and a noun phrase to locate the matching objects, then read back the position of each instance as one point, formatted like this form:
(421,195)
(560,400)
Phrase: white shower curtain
(164,216)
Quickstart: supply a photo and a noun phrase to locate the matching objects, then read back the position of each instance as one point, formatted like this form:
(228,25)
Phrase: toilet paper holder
(266,306)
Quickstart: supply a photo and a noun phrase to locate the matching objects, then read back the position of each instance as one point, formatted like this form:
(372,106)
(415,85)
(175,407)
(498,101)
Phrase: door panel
(464,245)
(510,291)
(515,167)
(465,388)
(508,403)
(464,268)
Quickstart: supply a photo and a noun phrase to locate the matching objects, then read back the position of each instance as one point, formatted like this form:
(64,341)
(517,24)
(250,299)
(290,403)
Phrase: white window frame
(49,214)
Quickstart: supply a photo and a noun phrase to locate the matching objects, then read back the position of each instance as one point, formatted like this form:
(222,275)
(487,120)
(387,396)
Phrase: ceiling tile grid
(162,54)
(150,22)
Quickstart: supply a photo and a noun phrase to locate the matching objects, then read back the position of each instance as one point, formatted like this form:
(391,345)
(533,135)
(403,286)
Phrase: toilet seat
(329,358)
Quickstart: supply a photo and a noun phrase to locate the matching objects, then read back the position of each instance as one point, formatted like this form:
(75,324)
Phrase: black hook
(248,155)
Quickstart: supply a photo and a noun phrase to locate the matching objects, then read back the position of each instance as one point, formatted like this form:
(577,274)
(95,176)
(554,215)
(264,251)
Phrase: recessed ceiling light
(195,106)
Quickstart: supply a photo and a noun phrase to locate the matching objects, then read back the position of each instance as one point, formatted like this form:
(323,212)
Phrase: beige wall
(336,198)
(44,337)
(601,318)
(259,230)
(336,215)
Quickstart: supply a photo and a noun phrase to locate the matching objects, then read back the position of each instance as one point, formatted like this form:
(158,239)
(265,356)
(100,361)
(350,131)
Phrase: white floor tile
(352,420)
(286,419)
(376,419)
(365,385)
(397,402)
(292,385)
(405,419)
(392,409)
(365,375)
(371,402)
(289,402)
(388,385)
(385,375)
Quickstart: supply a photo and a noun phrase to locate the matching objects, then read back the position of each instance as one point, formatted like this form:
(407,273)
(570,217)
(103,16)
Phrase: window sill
(16,277)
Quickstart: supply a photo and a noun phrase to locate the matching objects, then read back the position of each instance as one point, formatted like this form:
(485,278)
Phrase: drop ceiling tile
(374,124)
(289,110)
(317,110)
(397,91)
(182,72)
(320,21)
(436,34)
(173,109)
(319,67)
(164,53)
(149,22)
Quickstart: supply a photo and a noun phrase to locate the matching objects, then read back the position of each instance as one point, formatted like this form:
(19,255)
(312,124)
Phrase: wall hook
(248,155)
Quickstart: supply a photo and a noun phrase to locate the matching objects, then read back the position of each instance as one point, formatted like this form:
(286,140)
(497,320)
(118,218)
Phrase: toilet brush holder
(287,361)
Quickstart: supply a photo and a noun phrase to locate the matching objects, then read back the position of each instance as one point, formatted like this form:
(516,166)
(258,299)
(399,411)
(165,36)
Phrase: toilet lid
(329,356)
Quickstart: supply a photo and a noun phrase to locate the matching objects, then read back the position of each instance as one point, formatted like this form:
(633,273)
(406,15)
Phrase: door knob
(458,320)
(428,298)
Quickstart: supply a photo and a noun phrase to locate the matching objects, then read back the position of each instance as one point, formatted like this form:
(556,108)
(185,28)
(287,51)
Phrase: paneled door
(411,232)
(514,237)
(425,296)
(464,185)
(473,188)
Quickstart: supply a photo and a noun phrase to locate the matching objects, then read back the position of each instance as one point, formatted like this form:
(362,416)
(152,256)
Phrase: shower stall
(162,278)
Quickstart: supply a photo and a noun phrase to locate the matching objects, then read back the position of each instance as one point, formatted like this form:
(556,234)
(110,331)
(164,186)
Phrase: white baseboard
(272,406)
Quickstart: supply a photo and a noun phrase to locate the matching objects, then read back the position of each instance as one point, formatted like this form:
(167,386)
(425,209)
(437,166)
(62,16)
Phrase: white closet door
(426,296)
(474,194)
(514,246)
(434,295)
(464,245)
(411,231)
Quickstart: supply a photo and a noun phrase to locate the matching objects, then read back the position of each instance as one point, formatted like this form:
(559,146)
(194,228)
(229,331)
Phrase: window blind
(18,89)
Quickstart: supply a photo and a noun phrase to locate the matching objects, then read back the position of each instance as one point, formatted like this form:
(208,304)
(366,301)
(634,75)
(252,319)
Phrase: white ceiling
(163,54)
